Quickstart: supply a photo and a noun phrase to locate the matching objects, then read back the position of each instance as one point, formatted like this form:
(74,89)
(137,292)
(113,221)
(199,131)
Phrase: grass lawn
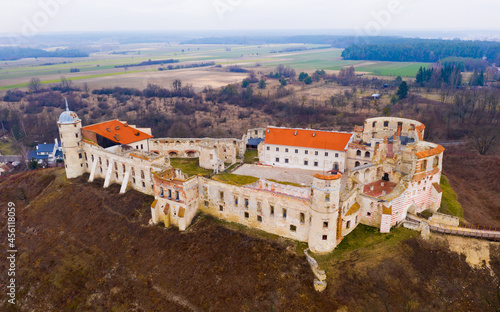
(449,202)
(286,183)
(250,156)
(189,166)
(235,179)
(7,147)
(367,238)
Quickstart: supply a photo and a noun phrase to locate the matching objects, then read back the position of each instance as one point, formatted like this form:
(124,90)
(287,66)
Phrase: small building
(48,153)
(376,96)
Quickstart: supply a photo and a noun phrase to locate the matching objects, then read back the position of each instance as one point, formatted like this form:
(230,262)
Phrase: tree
(245,83)
(308,80)
(86,88)
(283,81)
(262,84)
(484,138)
(402,90)
(302,76)
(177,84)
(34,85)
(65,84)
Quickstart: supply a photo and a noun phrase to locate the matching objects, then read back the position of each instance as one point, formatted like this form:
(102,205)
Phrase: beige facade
(398,173)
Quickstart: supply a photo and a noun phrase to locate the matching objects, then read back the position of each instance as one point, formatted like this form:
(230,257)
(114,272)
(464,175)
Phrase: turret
(70,131)
(325,194)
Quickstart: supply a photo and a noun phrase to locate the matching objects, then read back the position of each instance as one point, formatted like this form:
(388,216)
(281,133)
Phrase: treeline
(148,62)
(448,75)
(466,63)
(334,41)
(16,53)
(423,50)
(190,65)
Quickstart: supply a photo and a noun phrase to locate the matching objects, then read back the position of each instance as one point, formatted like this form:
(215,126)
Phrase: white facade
(303,157)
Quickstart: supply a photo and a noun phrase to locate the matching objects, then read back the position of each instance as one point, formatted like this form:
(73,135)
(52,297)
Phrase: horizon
(359,17)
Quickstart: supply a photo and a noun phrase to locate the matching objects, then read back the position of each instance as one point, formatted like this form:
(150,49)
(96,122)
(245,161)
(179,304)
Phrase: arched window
(161,191)
(424,165)
(436,161)
(357,164)
(100,161)
(142,174)
(367,154)
(358,153)
(133,173)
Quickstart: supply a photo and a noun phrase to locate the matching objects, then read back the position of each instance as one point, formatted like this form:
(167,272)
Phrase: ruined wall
(381,127)
(227,149)
(359,154)
(140,170)
(275,213)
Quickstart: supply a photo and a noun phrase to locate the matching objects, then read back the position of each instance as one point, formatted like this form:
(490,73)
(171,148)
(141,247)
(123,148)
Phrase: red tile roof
(437,187)
(327,177)
(118,132)
(307,138)
(378,188)
(430,152)
(420,128)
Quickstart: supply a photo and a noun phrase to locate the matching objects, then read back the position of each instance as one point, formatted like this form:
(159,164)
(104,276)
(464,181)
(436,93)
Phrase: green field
(403,69)
(16,74)
(331,60)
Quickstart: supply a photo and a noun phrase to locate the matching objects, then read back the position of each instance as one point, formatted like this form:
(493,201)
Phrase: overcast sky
(372,15)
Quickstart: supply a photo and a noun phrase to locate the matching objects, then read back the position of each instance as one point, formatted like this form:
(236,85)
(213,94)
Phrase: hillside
(475,180)
(85,248)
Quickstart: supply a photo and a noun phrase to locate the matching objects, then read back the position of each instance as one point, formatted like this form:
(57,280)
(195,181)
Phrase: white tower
(325,193)
(70,131)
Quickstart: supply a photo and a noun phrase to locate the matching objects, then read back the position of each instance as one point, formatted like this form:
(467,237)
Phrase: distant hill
(16,53)
(85,248)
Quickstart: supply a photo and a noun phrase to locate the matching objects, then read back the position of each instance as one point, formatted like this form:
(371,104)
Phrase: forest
(16,53)
(423,50)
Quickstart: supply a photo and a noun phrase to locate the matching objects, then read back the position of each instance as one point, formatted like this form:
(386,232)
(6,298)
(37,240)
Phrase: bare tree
(34,85)
(484,138)
(177,84)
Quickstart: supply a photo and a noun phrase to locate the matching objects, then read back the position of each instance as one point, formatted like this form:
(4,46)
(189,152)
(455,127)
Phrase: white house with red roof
(305,149)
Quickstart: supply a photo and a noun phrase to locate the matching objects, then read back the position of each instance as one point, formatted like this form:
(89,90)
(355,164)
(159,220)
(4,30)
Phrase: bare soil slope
(476,180)
(85,248)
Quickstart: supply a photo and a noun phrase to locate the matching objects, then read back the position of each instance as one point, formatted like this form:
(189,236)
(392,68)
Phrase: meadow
(17,74)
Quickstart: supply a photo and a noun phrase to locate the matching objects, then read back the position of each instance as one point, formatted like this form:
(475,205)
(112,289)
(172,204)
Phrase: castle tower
(70,131)
(325,193)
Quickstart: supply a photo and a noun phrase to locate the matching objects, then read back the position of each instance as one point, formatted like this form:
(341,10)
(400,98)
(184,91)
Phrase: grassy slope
(93,251)
(449,202)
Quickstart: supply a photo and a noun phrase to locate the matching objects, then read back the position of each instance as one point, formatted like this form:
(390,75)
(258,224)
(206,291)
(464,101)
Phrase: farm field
(101,65)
